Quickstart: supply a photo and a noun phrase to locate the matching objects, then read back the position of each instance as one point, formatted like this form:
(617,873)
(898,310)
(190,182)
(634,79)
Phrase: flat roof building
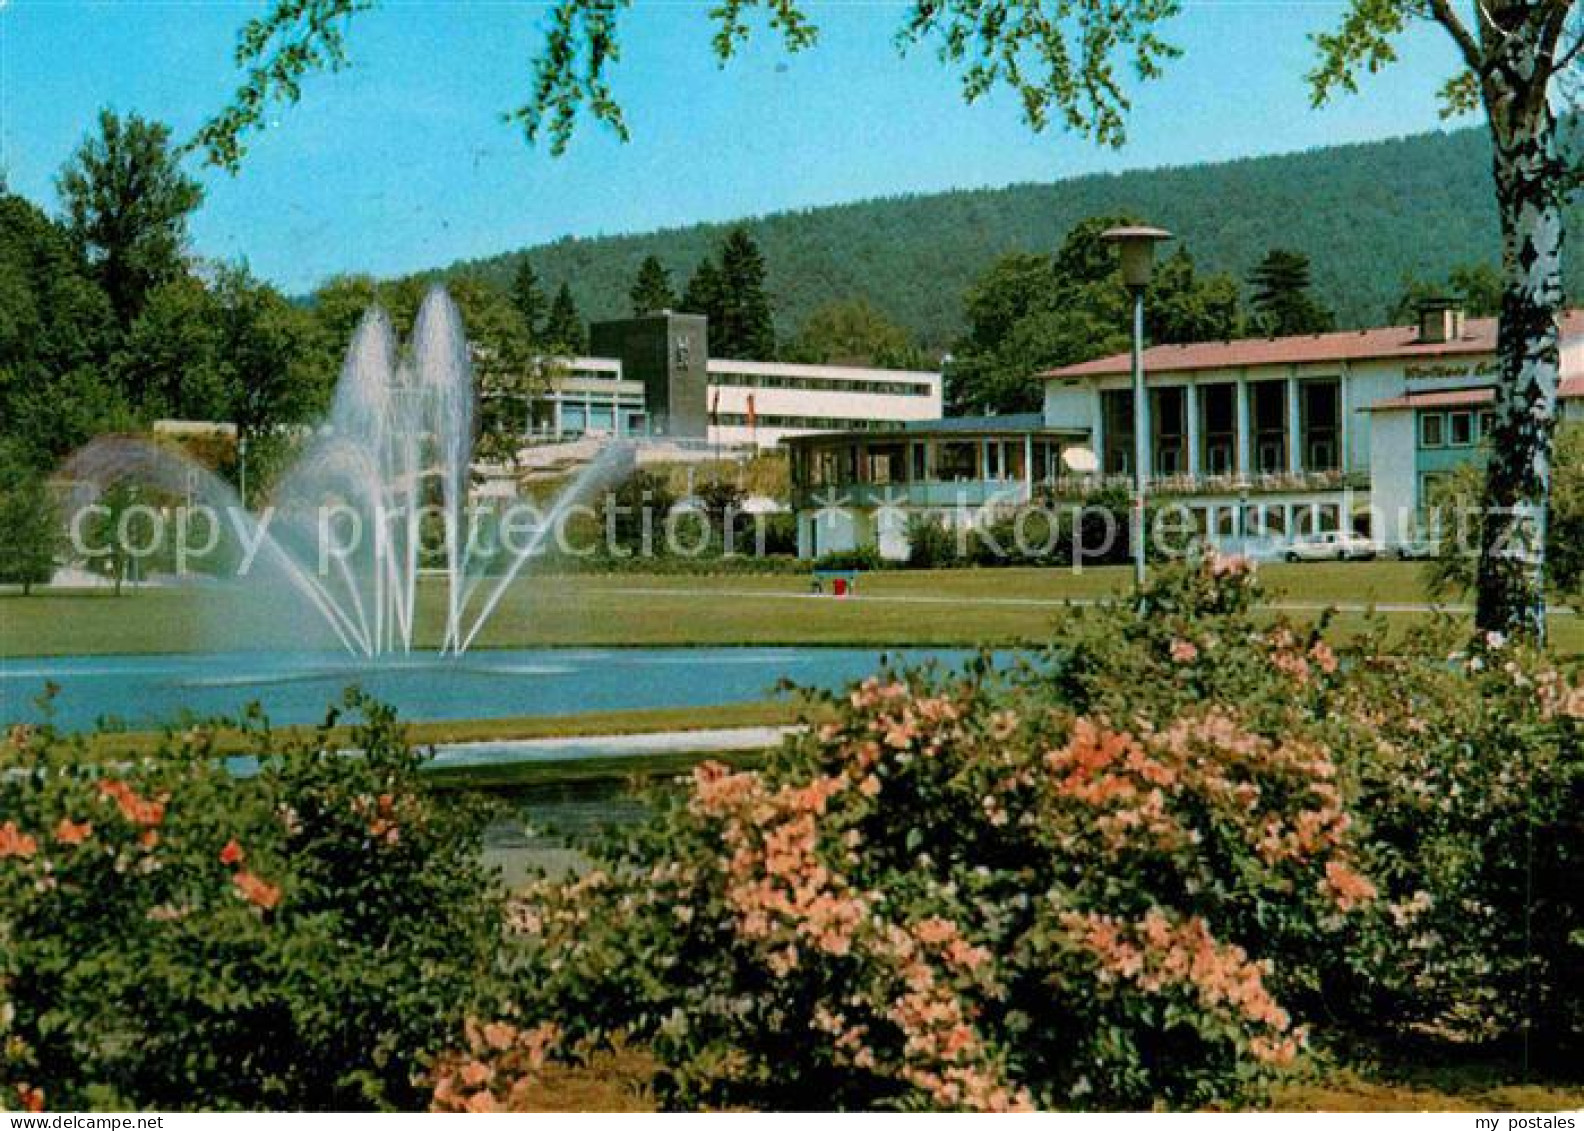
(652,376)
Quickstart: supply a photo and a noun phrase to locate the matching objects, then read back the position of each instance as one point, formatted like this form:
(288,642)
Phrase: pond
(147,691)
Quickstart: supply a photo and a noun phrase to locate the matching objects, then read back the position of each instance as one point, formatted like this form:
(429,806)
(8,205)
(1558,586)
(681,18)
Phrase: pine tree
(747,324)
(563,329)
(652,289)
(703,296)
(529,299)
(1283,301)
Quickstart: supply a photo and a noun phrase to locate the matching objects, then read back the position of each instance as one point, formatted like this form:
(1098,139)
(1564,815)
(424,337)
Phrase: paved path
(453,755)
(1033,602)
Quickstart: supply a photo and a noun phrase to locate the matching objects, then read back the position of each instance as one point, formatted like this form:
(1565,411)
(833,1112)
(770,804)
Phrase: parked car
(1330,546)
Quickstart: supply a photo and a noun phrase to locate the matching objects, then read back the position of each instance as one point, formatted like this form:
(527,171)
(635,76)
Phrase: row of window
(1459,428)
(1319,404)
(942,461)
(822,423)
(827,384)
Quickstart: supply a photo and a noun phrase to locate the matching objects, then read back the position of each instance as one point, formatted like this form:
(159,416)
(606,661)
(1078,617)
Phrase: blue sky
(403,161)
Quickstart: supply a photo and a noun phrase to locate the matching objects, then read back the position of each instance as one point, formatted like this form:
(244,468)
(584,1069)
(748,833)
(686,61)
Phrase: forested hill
(1368,216)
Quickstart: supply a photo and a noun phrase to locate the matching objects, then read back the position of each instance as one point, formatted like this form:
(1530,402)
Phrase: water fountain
(344,531)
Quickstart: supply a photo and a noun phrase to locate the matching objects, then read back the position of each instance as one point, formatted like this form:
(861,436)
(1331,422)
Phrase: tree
(1476,286)
(128,202)
(55,335)
(1282,298)
(277,369)
(853,332)
(1454,571)
(1516,54)
(30,528)
(529,299)
(169,363)
(652,289)
(703,296)
(746,326)
(1028,313)
(1062,60)
(563,330)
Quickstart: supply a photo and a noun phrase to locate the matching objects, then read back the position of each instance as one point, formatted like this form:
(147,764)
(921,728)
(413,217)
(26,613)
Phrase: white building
(1262,440)
(749,402)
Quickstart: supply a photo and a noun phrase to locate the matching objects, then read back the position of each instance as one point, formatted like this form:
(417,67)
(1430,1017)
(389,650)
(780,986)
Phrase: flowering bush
(964,893)
(1138,872)
(1466,774)
(174,936)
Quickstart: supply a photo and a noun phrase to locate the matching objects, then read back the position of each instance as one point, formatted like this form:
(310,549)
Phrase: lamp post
(1137,244)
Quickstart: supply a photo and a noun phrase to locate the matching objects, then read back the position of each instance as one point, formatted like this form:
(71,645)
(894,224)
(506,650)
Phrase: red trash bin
(839,587)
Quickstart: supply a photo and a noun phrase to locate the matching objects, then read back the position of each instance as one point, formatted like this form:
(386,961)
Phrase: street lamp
(1137,244)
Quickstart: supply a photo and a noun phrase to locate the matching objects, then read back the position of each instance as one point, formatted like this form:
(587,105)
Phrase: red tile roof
(1479,337)
(1444,398)
(1570,388)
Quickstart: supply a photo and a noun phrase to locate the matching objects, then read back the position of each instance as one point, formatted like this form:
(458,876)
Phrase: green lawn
(946,607)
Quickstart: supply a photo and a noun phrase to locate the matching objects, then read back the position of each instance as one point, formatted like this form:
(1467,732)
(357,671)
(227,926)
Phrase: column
(1344,430)
(1294,446)
(1028,467)
(1096,430)
(1191,408)
(1244,463)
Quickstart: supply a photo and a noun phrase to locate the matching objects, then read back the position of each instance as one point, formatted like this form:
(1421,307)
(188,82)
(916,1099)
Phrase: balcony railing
(977,492)
(1261,484)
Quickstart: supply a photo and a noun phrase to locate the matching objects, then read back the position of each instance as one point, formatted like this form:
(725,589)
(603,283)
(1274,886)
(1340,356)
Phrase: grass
(999,607)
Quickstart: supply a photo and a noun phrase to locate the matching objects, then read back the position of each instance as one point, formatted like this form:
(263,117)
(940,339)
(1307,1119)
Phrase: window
(1320,412)
(1430,430)
(1218,427)
(1116,426)
(920,462)
(1460,429)
(1269,410)
(888,463)
(1168,427)
(957,460)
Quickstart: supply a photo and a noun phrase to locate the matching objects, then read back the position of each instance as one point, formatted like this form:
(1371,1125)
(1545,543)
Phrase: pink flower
(1184,652)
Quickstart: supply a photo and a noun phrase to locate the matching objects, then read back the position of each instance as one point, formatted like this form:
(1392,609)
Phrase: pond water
(142,692)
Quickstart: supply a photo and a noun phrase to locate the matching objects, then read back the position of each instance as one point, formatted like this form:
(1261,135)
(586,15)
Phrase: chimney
(1440,320)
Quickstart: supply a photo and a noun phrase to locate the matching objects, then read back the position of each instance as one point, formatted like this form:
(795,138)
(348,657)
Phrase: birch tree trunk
(1529,188)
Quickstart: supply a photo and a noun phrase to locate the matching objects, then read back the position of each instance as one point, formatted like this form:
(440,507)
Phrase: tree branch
(1473,55)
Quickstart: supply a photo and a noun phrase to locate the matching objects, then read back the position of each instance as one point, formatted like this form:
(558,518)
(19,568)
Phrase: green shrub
(930,544)
(861,558)
(172,936)
(1144,870)
(961,893)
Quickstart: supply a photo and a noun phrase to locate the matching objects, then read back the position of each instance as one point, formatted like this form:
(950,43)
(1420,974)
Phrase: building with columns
(1260,441)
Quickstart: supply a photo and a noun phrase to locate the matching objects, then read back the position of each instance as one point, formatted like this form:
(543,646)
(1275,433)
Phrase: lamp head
(1137,244)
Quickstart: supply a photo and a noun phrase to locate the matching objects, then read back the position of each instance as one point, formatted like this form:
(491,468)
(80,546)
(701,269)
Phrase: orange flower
(256,891)
(69,832)
(232,852)
(138,810)
(15,842)
(32,1098)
